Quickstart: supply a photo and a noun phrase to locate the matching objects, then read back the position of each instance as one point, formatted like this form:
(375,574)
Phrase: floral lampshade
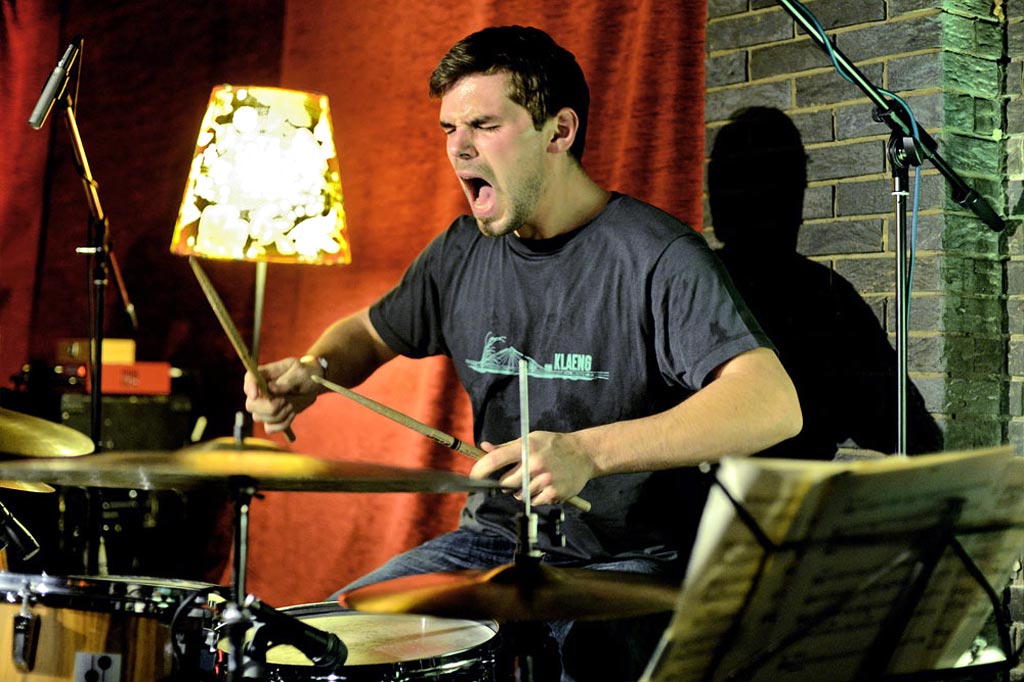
(264,184)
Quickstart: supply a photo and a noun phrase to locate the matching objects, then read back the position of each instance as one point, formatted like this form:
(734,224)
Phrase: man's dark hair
(543,76)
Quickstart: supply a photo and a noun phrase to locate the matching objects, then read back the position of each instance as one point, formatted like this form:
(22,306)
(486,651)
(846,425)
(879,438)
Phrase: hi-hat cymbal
(25,436)
(263,469)
(230,444)
(518,592)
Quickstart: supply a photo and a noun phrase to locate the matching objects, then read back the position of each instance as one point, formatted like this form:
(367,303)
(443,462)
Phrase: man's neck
(571,200)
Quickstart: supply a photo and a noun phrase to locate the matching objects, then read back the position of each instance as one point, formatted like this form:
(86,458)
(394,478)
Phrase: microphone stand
(99,247)
(102,261)
(908,146)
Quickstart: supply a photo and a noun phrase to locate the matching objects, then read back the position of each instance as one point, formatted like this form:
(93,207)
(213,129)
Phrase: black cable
(177,650)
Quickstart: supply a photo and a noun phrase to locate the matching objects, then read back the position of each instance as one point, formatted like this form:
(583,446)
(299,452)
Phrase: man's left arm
(748,405)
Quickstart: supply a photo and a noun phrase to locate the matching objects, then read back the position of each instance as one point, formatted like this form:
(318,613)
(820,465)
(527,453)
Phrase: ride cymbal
(23,435)
(518,592)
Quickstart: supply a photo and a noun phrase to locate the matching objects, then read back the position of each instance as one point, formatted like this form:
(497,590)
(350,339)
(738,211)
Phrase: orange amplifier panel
(137,378)
(115,351)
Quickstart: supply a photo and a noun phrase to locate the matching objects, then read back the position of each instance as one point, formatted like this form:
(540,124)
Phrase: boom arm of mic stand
(897,119)
(103,248)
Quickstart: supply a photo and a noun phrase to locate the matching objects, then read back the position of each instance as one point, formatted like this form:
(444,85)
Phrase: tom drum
(114,629)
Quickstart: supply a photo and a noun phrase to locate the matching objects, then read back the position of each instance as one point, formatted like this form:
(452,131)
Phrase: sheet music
(812,610)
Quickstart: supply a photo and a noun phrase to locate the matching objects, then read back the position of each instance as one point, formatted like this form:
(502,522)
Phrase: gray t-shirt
(622,318)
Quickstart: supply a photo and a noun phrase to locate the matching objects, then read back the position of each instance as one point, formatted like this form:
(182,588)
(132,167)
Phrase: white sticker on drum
(97,667)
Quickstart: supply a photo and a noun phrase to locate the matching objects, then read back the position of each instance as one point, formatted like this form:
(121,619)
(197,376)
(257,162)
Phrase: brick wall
(947,60)
(958,63)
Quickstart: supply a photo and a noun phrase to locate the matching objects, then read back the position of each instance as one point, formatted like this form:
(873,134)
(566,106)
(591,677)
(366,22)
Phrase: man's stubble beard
(520,205)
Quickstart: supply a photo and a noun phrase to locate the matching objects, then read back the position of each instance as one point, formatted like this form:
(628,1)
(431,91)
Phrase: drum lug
(26,638)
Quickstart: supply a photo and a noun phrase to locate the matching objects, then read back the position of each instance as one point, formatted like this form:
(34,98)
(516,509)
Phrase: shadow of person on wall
(828,338)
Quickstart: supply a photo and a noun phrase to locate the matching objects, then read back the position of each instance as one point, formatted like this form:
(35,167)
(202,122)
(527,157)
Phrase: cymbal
(26,486)
(518,592)
(230,444)
(26,436)
(263,469)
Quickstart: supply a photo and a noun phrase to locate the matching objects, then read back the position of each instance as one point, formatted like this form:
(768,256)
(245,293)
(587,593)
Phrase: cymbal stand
(243,489)
(237,621)
(235,617)
(527,520)
(534,652)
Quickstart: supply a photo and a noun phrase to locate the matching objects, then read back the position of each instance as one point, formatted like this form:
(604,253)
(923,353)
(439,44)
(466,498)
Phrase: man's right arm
(351,349)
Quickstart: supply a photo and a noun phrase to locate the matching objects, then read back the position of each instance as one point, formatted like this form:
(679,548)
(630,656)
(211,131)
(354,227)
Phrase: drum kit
(444,626)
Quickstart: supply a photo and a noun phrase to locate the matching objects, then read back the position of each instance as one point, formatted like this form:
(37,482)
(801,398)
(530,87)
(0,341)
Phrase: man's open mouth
(479,191)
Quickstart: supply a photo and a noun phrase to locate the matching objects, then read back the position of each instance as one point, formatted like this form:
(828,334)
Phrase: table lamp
(264,185)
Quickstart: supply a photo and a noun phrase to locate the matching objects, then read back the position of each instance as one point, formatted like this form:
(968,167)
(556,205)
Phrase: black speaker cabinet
(132,422)
(161,533)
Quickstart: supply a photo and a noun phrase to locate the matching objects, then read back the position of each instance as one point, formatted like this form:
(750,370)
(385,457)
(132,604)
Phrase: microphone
(54,87)
(324,649)
(16,534)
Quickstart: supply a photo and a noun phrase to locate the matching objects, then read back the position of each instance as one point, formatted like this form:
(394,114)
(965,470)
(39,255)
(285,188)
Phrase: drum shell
(127,617)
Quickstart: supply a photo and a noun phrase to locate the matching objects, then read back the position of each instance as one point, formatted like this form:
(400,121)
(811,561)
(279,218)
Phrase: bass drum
(390,648)
(128,629)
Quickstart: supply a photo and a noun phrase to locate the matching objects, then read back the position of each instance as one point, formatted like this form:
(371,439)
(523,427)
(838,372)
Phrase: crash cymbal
(518,592)
(22,435)
(258,468)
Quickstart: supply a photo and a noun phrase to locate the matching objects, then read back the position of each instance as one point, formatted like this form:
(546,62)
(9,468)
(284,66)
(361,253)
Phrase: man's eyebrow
(478,121)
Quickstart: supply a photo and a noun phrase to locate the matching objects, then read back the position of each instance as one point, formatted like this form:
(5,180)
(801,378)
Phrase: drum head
(381,639)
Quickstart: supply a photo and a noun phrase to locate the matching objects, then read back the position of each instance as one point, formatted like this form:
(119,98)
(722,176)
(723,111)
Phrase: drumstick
(232,332)
(430,432)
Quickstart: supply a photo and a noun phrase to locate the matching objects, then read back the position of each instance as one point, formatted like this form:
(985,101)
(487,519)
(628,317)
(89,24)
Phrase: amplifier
(127,532)
(132,422)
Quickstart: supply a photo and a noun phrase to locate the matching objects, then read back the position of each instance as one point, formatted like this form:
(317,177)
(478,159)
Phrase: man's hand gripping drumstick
(436,435)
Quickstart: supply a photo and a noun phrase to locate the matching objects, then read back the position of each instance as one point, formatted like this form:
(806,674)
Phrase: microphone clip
(16,535)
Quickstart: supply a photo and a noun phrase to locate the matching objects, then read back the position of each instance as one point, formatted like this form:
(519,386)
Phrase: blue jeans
(603,651)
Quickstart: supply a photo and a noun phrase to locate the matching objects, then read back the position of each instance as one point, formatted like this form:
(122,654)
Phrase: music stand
(873,570)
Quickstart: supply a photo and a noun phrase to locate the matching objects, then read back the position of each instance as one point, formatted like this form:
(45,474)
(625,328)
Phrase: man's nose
(460,145)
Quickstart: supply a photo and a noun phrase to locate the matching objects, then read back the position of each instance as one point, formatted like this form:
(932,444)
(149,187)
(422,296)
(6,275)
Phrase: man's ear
(563,133)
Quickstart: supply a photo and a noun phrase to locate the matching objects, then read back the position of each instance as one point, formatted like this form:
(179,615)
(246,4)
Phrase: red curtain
(27,30)
(146,78)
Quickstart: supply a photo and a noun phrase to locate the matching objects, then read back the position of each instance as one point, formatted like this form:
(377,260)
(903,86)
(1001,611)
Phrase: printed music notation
(847,537)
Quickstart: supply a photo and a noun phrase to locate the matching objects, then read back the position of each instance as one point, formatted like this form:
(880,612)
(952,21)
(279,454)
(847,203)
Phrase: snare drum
(390,648)
(116,629)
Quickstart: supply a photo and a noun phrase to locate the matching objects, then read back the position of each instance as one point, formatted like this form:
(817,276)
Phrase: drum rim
(139,595)
(78,581)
